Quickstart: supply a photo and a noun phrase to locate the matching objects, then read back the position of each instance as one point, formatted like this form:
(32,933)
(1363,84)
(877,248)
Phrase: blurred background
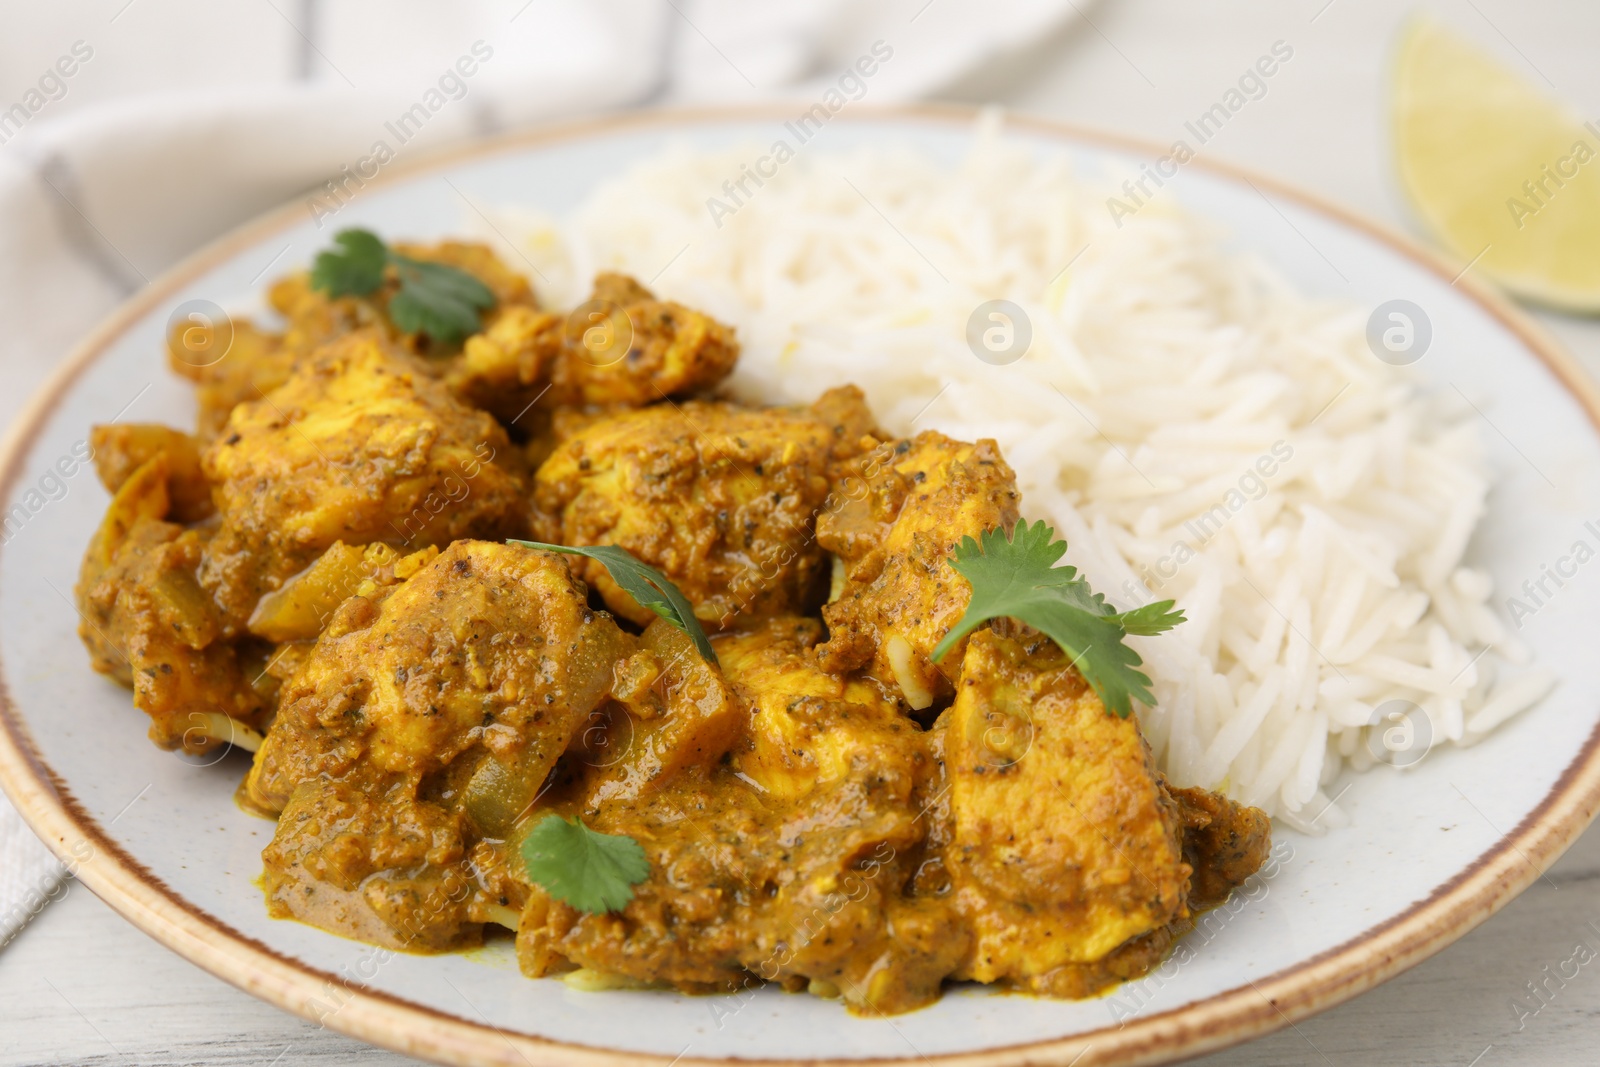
(134,131)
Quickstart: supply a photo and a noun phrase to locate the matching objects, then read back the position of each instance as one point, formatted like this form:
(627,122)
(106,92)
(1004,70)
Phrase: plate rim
(1231,1016)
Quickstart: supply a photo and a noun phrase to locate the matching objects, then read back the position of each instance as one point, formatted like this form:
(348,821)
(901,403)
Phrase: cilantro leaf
(1017,576)
(1151,619)
(438,300)
(355,269)
(652,589)
(434,298)
(593,872)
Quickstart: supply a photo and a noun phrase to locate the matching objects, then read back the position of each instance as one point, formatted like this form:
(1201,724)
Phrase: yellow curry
(324,573)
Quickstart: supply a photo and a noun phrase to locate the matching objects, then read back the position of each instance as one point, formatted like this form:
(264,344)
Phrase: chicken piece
(625,347)
(426,717)
(489,648)
(899,514)
(314,318)
(119,449)
(611,287)
(794,743)
(254,363)
(1224,842)
(802,883)
(1062,843)
(720,498)
(359,445)
(392,872)
(148,624)
(622,348)
(506,368)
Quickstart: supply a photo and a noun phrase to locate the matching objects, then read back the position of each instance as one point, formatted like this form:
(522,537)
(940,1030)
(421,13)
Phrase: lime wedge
(1503,175)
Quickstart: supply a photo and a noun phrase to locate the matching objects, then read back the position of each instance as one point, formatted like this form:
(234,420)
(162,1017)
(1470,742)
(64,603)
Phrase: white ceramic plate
(1431,852)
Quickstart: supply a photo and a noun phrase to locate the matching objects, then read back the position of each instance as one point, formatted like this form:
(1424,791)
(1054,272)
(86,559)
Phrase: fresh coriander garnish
(1017,576)
(354,268)
(593,872)
(648,586)
(434,298)
(438,300)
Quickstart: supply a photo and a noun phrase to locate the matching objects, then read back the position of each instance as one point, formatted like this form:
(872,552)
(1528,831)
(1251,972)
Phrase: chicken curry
(339,570)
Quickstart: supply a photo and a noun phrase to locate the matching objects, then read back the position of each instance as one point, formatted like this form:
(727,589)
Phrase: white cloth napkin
(29,876)
(95,204)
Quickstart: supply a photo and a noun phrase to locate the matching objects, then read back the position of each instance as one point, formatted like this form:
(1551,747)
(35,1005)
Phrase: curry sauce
(322,572)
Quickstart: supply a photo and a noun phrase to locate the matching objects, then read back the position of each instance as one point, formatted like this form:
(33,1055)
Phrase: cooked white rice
(1162,370)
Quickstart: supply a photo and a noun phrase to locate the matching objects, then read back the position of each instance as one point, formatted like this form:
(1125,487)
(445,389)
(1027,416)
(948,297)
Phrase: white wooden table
(80,986)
